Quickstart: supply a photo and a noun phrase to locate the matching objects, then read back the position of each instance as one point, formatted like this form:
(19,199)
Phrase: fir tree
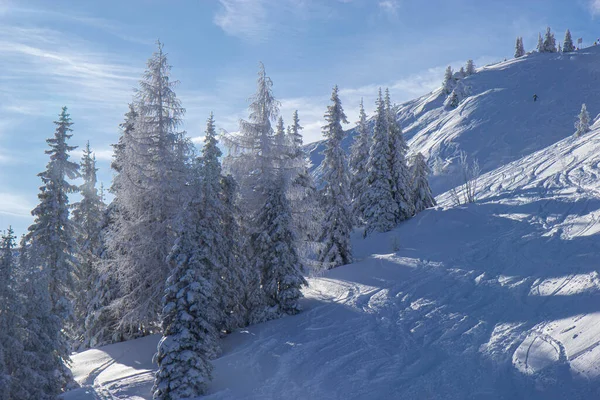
(453,100)
(568,46)
(421,192)
(398,166)
(540,44)
(359,157)
(519,49)
(449,81)
(184,370)
(337,224)
(151,190)
(583,122)
(87,216)
(470,70)
(381,209)
(52,238)
(549,45)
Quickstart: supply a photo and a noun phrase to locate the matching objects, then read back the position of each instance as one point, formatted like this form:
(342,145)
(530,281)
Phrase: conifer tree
(470,69)
(453,100)
(151,191)
(583,122)
(519,49)
(568,46)
(449,81)
(421,192)
(87,216)
(549,45)
(184,370)
(540,44)
(336,247)
(398,166)
(52,238)
(359,157)
(381,209)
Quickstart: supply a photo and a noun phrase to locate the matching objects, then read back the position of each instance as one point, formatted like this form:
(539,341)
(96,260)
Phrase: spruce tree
(568,46)
(421,192)
(549,45)
(359,157)
(151,191)
(88,218)
(449,81)
(398,166)
(381,209)
(52,262)
(470,70)
(540,44)
(519,49)
(335,238)
(583,122)
(184,370)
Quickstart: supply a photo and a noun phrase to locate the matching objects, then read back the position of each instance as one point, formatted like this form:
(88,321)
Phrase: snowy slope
(499,122)
(495,300)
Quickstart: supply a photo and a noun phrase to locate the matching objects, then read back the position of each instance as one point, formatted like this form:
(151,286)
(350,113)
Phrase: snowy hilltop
(494,297)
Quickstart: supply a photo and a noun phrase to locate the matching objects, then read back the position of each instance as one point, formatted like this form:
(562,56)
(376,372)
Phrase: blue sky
(88,55)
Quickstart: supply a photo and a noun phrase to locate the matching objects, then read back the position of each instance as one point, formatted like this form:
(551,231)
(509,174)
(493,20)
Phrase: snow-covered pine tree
(88,218)
(184,370)
(549,45)
(303,197)
(335,238)
(102,320)
(151,191)
(381,209)
(519,49)
(568,45)
(52,238)
(401,189)
(453,100)
(470,70)
(449,81)
(421,192)
(559,48)
(462,73)
(359,157)
(11,318)
(276,255)
(583,122)
(540,44)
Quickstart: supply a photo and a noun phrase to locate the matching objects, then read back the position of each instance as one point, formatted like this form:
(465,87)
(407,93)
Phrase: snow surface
(499,299)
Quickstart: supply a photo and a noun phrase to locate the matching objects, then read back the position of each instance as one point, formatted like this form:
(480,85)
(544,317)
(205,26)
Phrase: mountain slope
(499,122)
(499,299)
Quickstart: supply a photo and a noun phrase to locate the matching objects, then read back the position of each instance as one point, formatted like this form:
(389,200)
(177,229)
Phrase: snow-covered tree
(88,218)
(549,45)
(151,190)
(381,209)
(519,49)
(453,100)
(337,225)
(276,255)
(462,73)
(583,122)
(359,157)
(568,43)
(52,238)
(399,168)
(421,192)
(559,48)
(184,370)
(470,69)
(540,44)
(449,81)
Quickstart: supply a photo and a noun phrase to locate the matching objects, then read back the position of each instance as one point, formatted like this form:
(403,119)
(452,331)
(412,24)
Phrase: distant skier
(535,97)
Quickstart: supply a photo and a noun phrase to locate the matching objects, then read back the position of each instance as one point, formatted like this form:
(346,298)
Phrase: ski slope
(499,122)
(494,300)
(499,299)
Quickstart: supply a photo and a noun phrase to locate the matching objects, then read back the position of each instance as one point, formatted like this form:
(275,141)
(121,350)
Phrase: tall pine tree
(359,157)
(568,46)
(519,49)
(421,192)
(337,225)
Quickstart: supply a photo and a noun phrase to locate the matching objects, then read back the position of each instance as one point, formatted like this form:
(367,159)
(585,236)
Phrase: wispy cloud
(389,6)
(15,205)
(594,7)
(244,18)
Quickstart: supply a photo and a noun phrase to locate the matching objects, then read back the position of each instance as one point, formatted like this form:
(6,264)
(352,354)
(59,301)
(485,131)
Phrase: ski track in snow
(494,300)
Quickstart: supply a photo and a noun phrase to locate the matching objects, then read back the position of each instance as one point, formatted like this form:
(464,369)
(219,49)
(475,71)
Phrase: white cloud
(246,19)
(594,7)
(389,6)
(15,204)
